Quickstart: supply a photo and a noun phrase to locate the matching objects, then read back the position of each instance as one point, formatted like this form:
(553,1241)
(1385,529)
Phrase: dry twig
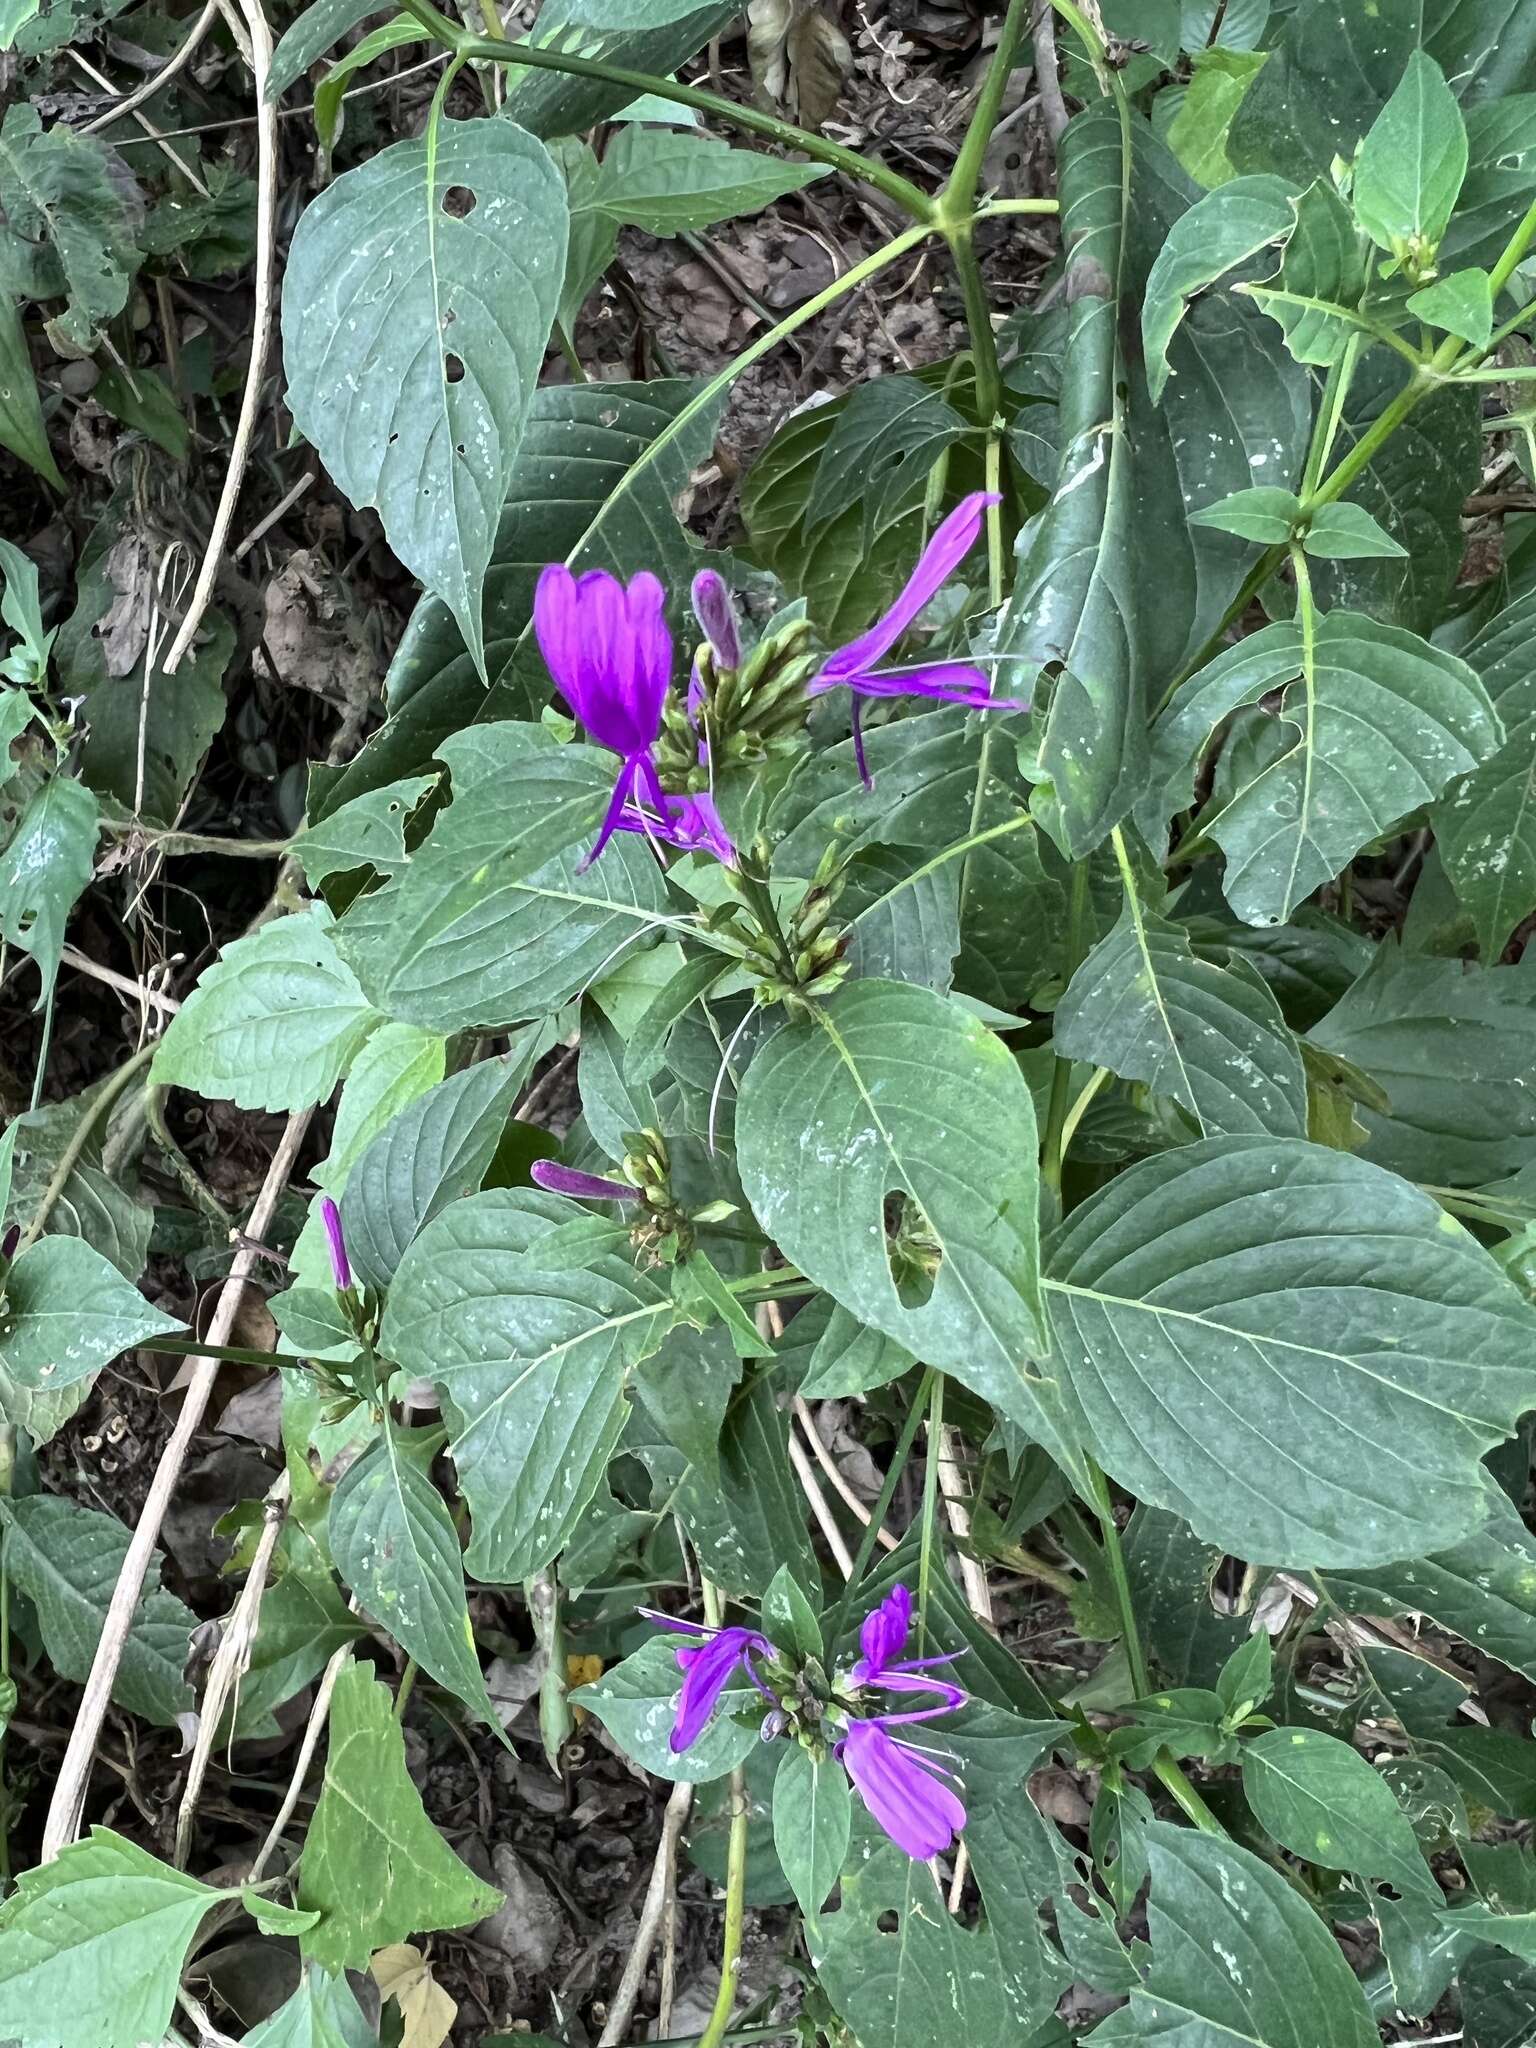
(660,1895)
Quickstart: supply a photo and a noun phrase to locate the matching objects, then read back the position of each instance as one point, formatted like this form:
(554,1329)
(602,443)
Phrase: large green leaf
(1453,1047)
(1373,722)
(436,1150)
(1485,823)
(273,1024)
(67,1312)
(622,453)
(896,1089)
(21,412)
(529,1343)
(1410,166)
(395,1545)
(1238,1957)
(397,1065)
(66,1559)
(643,35)
(1333,69)
(1148,1007)
(375,1868)
(92,1945)
(44,871)
(1218,234)
(411,377)
(1300,1354)
(64,227)
(1321,1800)
(668,180)
(495,920)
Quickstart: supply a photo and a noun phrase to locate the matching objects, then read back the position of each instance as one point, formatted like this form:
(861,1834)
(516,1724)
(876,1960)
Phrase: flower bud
(715,612)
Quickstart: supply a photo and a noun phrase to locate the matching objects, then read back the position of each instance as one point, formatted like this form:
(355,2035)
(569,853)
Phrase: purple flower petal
(689,823)
(884,1634)
(608,649)
(707,1670)
(585,1187)
(715,612)
(901,1678)
(903,1789)
(943,555)
(950,682)
(613,817)
(341,1269)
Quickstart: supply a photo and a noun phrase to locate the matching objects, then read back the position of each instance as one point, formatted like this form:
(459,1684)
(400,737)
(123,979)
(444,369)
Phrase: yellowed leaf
(404,1974)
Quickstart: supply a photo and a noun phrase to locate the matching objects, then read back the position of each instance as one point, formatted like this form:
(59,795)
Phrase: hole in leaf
(459,201)
(888,1922)
(453,368)
(911,1249)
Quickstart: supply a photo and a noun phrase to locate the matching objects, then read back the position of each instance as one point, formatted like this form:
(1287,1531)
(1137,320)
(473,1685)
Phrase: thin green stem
(991,209)
(735,1913)
(1053,1149)
(91,1115)
(404,1689)
(752,119)
(1330,414)
(930,1509)
(40,1073)
(958,197)
(882,1506)
(1514,251)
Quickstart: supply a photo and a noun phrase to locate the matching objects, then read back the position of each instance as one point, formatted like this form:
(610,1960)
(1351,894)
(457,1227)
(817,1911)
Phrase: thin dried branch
(660,1899)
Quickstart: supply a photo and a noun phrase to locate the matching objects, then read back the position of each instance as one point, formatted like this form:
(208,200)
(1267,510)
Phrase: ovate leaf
(1237,1956)
(375,1868)
(322,2013)
(1320,1799)
(812,1818)
(1461,304)
(669,180)
(368,832)
(1148,1007)
(44,871)
(273,1024)
(1410,167)
(63,228)
(636,1702)
(410,377)
(1198,132)
(529,1345)
(92,1945)
(896,1090)
(67,1312)
(66,1559)
(1303,1356)
(21,412)
(1373,721)
(394,1543)
(1219,233)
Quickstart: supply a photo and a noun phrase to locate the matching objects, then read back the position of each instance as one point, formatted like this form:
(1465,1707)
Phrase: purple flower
(856,666)
(608,648)
(586,1187)
(882,1640)
(716,614)
(903,1789)
(707,1667)
(330,1216)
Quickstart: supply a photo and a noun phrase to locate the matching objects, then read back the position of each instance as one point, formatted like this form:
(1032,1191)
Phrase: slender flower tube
(903,1789)
(341,1269)
(855,667)
(585,1187)
(708,1666)
(607,646)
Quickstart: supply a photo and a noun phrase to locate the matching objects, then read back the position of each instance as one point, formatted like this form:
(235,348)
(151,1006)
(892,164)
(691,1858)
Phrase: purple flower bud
(330,1216)
(9,1243)
(585,1187)
(775,1721)
(716,613)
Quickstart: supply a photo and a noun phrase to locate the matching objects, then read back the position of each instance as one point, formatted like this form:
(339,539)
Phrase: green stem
(882,1506)
(1053,1147)
(539,58)
(90,1116)
(404,1689)
(990,209)
(735,1914)
(930,1509)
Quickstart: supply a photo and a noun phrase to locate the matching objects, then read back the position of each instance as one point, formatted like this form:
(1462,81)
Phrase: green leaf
(1148,1007)
(495,919)
(654,36)
(1237,1955)
(1376,723)
(1482,1589)
(1485,823)
(1453,1047)
(436,1150)
(395,1544)
(27,662)
(92,1945)
(903,916)
(1198,132)
(1172,1574)
(303,1623)
(670,180)
(273,1024)
(1246,1680)
(636,1701)
(1461,304)
(68,1312)
(962,1148)
(1322,1801)
(623,453)
(21,412)
(65,232)
(374,1866)
(44,871)
(883,443)
(368,832)
(1409,171)
(790,1620)
(322,2013)
(397,1065)
(1341,532)
(304,42)
(1325,265)
(1264,514)
(66,1559)
(1513,1932)
(529,1346)
(148,405)
(14,15)
(850,1359)
(1217,235)
(1300,1354)
(330,91)
(703,1298)
(410,382)
(646,1044)
(812,1820)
